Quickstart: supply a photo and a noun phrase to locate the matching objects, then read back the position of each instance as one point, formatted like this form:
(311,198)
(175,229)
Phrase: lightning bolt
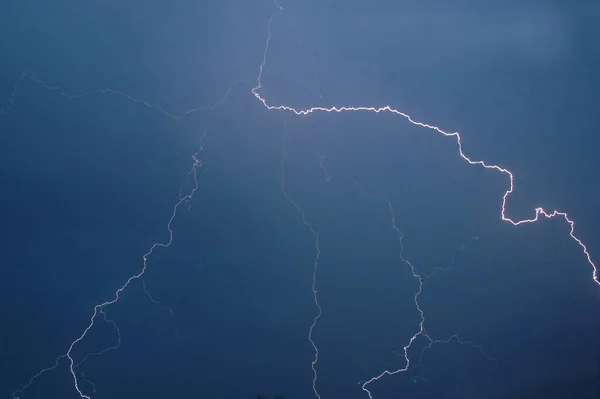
(539,211)
(419,277)
(110,348)
(77,376)
(101,308)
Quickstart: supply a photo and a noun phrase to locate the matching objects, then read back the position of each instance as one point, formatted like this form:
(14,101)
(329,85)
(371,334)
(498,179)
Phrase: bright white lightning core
(339,109)
(78,377)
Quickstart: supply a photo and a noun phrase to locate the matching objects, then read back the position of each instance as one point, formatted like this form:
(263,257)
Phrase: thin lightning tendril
(185,199)
(315,265)
(27,74)
(419,277)
(443,269)
(100,308)
(160,304)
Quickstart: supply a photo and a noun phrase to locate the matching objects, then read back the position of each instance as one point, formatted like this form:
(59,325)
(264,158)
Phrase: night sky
(99,124)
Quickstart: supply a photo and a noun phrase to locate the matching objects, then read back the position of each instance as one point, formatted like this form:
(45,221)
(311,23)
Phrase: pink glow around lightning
(78,376)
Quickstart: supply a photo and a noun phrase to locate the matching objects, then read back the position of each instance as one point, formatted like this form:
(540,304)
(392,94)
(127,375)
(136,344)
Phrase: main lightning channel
(539,211)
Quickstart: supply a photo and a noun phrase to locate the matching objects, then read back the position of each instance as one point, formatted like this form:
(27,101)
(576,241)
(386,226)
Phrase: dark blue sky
(88,185)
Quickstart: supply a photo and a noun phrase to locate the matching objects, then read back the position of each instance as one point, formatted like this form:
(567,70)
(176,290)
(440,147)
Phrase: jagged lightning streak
(419,277)
(315,264)
(454,337)
(110,348)
(75,368)
(100,308)
(539,211)
(338,109)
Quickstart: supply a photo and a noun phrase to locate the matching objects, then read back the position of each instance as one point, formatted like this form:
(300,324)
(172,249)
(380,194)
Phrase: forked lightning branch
(79,380)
